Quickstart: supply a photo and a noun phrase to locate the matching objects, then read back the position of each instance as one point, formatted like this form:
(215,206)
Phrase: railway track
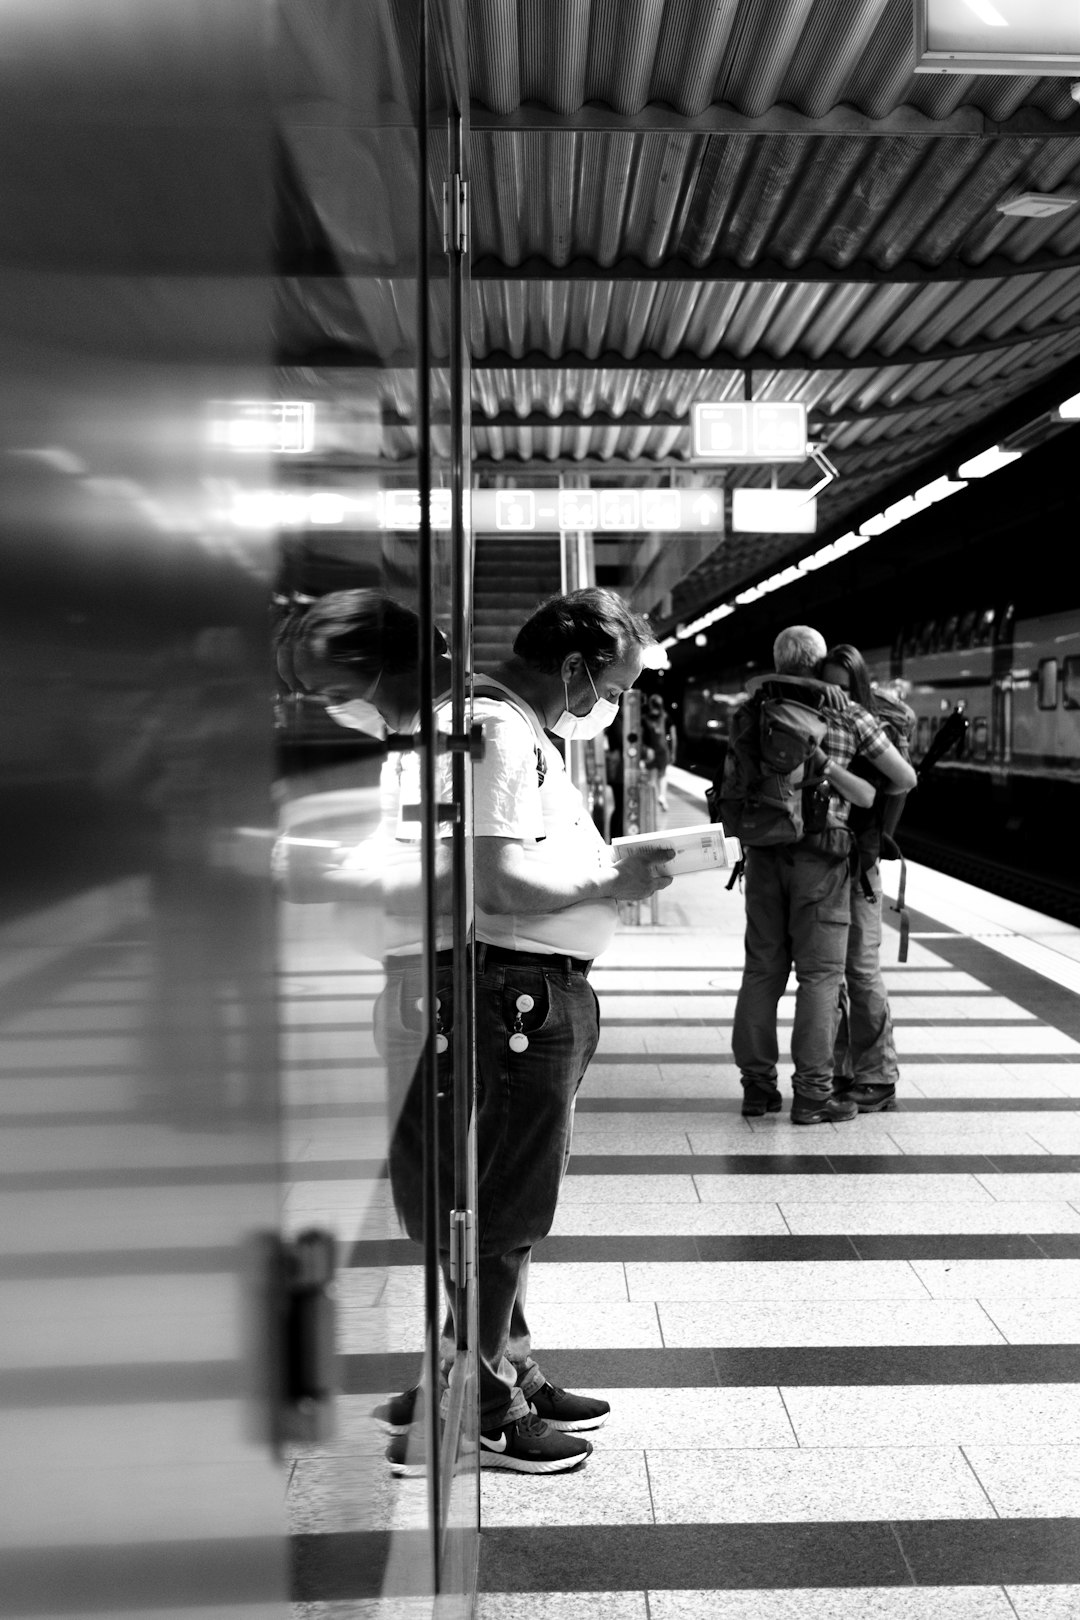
(1060,900)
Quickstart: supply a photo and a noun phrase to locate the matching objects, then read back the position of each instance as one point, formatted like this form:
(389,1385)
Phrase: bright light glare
(1069,408)
(989,461)
(938,490)
(986,13)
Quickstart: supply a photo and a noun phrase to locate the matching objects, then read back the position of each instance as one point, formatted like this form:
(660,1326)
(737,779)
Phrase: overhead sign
(748,430)
(551,511)
(493,511)
(773,511)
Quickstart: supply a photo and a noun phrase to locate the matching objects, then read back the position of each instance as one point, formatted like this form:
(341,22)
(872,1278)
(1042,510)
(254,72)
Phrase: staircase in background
(511,577)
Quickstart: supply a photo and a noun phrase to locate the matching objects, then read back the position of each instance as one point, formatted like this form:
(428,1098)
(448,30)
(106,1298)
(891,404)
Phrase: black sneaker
(531,1446)
(568,1412)
(407,1453)
(872,1099)
(822,1110)
(397,1412)
(758,1099)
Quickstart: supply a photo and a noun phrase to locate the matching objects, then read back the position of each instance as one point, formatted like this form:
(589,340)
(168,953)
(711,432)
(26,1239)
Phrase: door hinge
(461,1246)
(455,215)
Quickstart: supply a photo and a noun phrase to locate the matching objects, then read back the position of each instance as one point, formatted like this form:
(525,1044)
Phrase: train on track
(1011,793)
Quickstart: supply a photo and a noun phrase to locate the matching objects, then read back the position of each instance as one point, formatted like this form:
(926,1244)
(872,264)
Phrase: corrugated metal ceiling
(674,200)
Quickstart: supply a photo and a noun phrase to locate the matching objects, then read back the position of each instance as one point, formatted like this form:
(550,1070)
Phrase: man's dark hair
(594,622)
(363,631)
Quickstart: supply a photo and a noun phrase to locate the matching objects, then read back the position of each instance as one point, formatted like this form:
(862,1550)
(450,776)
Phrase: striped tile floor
(843,1361)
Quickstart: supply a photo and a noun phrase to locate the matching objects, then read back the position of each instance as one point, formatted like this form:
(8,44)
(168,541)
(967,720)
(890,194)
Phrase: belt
(551,962)
(495,953)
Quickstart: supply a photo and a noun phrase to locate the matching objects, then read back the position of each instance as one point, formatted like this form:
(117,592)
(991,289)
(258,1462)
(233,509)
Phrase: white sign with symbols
(758,430)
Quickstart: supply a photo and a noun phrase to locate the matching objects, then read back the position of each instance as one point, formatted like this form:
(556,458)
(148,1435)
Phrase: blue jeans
(797,915)
(865,1049)
(524,1116)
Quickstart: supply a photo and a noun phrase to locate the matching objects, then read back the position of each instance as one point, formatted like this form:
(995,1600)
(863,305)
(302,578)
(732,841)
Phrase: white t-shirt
(549,820)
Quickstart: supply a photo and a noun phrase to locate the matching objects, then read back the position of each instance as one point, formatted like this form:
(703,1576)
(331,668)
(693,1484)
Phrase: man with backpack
(785,793)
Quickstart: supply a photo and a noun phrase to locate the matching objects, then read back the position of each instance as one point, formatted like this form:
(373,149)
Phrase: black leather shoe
(871,1099)
(822,1110)
(758,1100)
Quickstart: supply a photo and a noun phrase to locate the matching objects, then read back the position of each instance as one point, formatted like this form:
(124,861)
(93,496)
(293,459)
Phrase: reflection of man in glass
(534,1037)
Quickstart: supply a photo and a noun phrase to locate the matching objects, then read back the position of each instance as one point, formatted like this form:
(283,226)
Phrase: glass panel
(1048,682)
(140,1089)
(979,740)
(1070,684)
(370,590)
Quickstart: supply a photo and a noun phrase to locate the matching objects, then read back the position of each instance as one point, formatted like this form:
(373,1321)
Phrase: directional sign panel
(773,511)
(758,430)
(491,511)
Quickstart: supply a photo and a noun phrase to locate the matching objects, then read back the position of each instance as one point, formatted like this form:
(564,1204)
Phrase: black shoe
(871,1099)
(397,1412)
(407,1453)
(568,1412)
(822,1110)
(842,1083)
(759,1099)
(531,1446)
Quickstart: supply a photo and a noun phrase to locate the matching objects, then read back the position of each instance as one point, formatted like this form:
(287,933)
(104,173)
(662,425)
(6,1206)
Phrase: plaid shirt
(849,732)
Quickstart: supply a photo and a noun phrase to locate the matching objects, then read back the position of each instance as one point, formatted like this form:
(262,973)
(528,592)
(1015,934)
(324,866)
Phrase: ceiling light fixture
(1069,409)
(987,462)
(1035,205)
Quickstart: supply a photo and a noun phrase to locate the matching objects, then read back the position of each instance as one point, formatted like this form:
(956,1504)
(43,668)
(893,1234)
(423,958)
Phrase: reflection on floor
(843,1361)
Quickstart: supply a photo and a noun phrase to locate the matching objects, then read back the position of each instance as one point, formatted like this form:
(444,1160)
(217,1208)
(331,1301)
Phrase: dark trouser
(797,915)
(524,1114)
(865,1049)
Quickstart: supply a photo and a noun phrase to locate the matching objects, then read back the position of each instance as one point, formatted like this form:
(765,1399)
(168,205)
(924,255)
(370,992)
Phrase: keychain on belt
(441,1042)
(519,1041)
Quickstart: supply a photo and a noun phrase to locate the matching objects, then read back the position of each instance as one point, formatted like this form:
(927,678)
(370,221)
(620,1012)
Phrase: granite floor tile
(672,1419)
(851,1188)
(868,1483)
(984,1279)
(562,1606)
(595,1281)
(335,1495)
(614,1038)
(1039,1078)
(774,1280)
(947,1414)
(611,1488)
(620,1189)
(675,1039)
(1045,1602)
(641,1081)
(713,1079)
(706,1220)
(745,1323)
(616,1142)
(683,1121)
(1036,1040)
(961,1143)
(557,1324)
(981,1007)
(889,1216)
(795,1140)
(989,1087)
(839,1603)
(1026,1321)
(1029,1481)
(1047,1184)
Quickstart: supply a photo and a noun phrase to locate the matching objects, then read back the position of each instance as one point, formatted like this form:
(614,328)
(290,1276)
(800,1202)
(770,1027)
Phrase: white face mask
(358,715)
(580,727)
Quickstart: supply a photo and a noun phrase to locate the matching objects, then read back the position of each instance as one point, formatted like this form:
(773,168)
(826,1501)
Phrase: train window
(948,633)
(965,636)
(984,630)
(979,739)
(922,735)
(928,637)
(1070,683)
(1048,682)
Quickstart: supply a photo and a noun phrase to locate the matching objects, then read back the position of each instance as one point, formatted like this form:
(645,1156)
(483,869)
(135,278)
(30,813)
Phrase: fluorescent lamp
(987,462)
(1069,409)
(875,525)
(986,13)
(939,489)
